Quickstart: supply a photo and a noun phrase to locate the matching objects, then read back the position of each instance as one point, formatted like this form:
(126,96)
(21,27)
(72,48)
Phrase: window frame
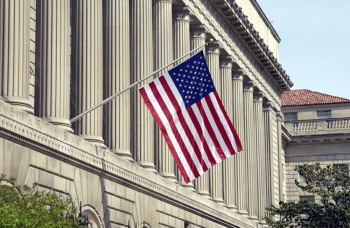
(308,198)
(289,116)
(324,114)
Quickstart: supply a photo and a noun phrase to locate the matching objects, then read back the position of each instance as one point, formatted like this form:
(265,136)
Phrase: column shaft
(163,52)
(248,143)
(238,121)
(181,30)
(142,64)
(14,53)
(216,172)
(53,62)
(260,186)
(87,68)
(116,66)
(229,164)
(197,39)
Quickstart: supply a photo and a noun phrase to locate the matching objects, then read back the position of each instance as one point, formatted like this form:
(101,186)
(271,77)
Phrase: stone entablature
(25,129)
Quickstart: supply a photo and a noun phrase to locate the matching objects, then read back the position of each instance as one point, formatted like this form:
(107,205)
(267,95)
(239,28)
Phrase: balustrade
(318,125)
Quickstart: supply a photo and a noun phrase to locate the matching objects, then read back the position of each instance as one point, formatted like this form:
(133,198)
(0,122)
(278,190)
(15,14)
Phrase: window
(290,116)
(324,114)
(301,178)
(310,199)
(342,167)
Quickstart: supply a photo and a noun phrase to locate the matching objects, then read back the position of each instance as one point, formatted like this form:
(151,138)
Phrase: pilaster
(163,52)
(269,119)
(52,101)
(141,66)
(14,53)
(280,155)
(239,201)
(87,68)
(116,72)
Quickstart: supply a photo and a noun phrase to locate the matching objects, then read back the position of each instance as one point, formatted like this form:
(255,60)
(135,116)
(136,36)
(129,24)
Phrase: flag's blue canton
(192,79)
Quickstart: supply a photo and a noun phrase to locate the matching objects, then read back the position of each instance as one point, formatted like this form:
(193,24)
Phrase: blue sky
(315,42)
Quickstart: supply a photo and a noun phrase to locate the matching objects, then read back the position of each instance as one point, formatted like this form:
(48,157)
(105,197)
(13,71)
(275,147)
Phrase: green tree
(24,206)
(333,187)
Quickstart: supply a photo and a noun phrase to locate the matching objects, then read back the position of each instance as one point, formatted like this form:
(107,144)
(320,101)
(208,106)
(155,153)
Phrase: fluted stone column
(52,101)
(181,31)
(250,162)
(116,65)
(280,156)
(240,175)
(216,172)
(269,119)
(163,52)
(14,53)
(260,203)
(198,35)
(229,179)
(87,73)
(142,65)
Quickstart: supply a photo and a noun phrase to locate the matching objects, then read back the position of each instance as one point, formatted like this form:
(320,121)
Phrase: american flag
(191,117)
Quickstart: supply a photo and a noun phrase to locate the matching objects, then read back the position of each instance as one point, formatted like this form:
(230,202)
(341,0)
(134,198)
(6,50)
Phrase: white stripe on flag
(206,135)
(179,127)
(224,122)
(166,124)
(215,127)
(189,121)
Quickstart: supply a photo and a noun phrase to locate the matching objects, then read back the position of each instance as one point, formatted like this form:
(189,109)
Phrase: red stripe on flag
(183,122)
(210,130)
(219,125)
(177,134)
(165,135)
(233,130)
(200,132)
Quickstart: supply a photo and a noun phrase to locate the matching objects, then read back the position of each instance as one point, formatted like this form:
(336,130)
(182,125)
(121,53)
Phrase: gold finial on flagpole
(211,40)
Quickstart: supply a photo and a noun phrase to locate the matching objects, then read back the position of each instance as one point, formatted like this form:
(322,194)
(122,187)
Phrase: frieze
(78,152)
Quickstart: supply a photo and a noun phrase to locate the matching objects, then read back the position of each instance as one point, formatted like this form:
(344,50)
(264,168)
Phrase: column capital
(238,74)
(214,48)
(199,30)
(182,13)
(280,116)
(156,1)
(248,86)
(258,97)
(226,61)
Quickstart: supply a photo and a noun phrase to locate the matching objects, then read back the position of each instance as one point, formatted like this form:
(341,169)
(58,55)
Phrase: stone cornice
(252,38)
(265,19)
(39,135)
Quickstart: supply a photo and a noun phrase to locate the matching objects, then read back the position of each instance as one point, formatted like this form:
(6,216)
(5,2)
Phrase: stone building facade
(317,130)
(59,58)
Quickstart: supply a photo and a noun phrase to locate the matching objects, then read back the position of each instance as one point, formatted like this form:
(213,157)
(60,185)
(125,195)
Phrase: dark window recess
(290,116)
(326,114)
(310,199)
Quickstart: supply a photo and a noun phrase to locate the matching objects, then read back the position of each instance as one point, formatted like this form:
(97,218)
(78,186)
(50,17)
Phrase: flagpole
(135,83)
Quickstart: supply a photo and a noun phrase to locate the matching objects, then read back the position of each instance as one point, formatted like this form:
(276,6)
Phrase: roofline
(266,20)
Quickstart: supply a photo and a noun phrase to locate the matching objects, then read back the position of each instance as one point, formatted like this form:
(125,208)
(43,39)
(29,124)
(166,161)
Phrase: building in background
(317,129)
(59,58)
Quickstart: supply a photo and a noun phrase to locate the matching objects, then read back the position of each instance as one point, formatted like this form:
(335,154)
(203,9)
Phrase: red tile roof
(301,97)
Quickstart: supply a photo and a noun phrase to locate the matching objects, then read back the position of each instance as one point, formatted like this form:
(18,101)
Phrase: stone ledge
(35,133)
